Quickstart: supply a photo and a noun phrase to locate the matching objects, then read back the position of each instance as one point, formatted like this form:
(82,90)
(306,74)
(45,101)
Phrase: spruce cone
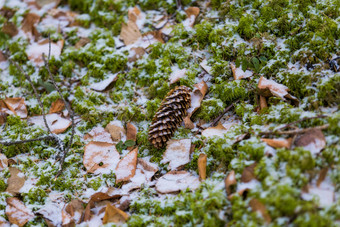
(169,115)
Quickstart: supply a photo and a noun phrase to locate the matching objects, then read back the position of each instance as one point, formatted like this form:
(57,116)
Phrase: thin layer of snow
(177,153)
(179,181)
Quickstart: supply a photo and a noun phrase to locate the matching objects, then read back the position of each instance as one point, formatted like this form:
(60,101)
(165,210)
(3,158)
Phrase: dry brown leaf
(192,13)
(313,140)
(177,75)
(42,3)
(202,166)
(148,168)
(218,130)
(136,53)
(278,143)
(3,161)
(9,28)
(116,129)
(29,24)
(100,157)
(134,14)
(131,132)
(322,176)
(106,84)
(36,50)
(16,181)
(17,212)
(17,106)
(229,181)
(197,96)
(257,206)
(57,106)
(88,213)
(114,215)
(248,173)
(263,102)
(269,88)
(82,42)
(188,123)
(2,57)
(66,219)
(130,33)
(176,181)
(238,73)
(51,213)
(126,168)
(75,209)
(4,222)
(56,122)
(177,153)
(99,134)
(205,66)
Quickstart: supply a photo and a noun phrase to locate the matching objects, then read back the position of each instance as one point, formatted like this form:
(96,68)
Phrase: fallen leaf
(322,176)
(204,65)
(218,130)
(9,28)
(75,209)
(3,162)
(229,181)
(248,173)
(238,73)
(313,140)
(67,220)
(55,122)
(278,143)
(4,222)
(176,75)
(105,84)
(42,3)
(82,42)
(130,33)
(114,215)
(29,25)
(116,129)
(150,38)
(188,123)
(36,50)
(57,106)
(202,166)
(192,13)
(126,167)
(99,134)
(100,157)
(17,106)
(177,153)
(51,213)
(16,181)
(17,213)
(131,132)
(111,193)
(263,102)
(88,213)
(325,195)
(268,88)
(3,117)
(197,96)
(2,57)
(136,53)
(176,181)
(259,207)
(148,168)
(134,14)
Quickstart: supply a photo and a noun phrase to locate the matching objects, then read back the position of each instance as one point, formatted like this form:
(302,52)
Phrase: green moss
(230,91)
(210,109)
(245,27)
(35,195)
(329,90)
(3,186)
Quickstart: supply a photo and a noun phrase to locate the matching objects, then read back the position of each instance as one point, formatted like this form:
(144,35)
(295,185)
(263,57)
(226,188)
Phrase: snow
(204,65)
(102,85)
(177,181)
(177,153)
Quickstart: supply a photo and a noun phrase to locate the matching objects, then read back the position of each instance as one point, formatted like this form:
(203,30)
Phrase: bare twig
(67,105)
(224,112)
(296,131)
(9,143)
(301,120)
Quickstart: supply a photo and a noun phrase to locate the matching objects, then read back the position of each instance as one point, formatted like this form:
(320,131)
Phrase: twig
(224,112)
(9,143)
(67,105)
(296,131)
(280,132)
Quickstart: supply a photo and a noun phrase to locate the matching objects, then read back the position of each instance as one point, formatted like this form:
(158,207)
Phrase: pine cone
(169,115)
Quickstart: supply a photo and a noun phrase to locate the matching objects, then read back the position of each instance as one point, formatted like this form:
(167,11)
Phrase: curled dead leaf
(116,129)
(259,207)
(278,143)
(202,166)
(188,123)
(100,157)
(177,153)
(114,215)
(322,176)
(229,181)
(312,140)
(192,13)
(126,168)
(197,96)
(17,212)
(15,106)
(248,173)
(57,106)
(263,102)
(16,181)
(131,132)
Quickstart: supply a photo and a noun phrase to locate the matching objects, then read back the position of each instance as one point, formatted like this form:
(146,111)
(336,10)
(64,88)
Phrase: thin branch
(9,143)
(301,120)
(224,112)
(296,131)
(67,105)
